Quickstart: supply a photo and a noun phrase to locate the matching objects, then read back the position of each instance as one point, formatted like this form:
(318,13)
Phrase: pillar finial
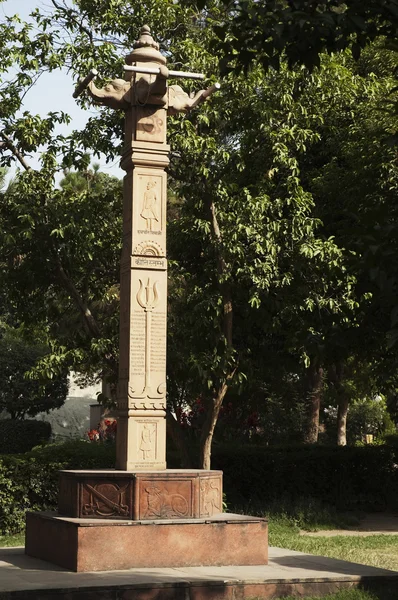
(145,49)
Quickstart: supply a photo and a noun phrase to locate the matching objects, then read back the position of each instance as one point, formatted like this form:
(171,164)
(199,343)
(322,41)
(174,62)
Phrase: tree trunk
(314,394)
(206,438)
(342,420)
(343,402)
(215,403)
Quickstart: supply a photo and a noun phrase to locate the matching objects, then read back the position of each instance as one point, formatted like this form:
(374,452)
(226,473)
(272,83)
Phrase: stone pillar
(130,504)
(141,436)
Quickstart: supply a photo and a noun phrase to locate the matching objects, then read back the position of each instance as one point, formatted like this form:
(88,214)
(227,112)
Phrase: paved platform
(288,573)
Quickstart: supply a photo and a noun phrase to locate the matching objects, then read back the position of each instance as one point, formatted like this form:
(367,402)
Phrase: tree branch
(15,151)
(68,13)
(225,288)
(85,312)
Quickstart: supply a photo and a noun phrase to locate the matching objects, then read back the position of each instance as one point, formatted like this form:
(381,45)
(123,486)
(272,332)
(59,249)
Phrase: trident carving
(146,303)
(148,299)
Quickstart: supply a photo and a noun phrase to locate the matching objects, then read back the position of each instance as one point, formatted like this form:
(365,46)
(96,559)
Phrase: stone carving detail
(150,125)
(149,248)
(153,404)
(148,299)
(210,498)
(105,500)
(162,504)
(148,441)
(115,94)
(150,206)
(180,101)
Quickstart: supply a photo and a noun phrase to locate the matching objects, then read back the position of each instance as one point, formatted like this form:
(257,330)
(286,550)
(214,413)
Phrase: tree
(281,276)
(254,266)
(62,248)
(22,394)
(301,30)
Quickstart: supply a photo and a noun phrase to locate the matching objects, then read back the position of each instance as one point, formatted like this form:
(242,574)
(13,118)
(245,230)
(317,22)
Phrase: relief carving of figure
(146,443)
(149,205)
(209,498)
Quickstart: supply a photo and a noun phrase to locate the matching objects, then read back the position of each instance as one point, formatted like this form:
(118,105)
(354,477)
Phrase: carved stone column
(148,515)
(141,437)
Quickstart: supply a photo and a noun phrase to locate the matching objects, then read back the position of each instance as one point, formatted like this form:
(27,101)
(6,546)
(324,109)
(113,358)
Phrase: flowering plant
(105,432)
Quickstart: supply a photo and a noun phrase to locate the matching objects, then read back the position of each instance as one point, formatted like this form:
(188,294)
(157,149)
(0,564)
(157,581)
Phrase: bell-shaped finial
(145,49)
(146,39)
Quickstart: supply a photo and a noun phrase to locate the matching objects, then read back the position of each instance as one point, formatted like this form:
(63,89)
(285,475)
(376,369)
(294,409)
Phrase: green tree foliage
(267,282)
(301,29)
(21,435)
(62,248)
(21,393)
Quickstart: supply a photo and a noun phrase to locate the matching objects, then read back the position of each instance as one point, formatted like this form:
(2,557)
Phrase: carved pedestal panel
(156,495)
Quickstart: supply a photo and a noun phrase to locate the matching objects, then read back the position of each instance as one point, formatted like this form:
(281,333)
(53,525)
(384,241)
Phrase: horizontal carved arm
(115,94)
(180,101)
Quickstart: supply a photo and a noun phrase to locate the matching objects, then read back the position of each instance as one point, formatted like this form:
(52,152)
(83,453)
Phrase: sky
(53,91)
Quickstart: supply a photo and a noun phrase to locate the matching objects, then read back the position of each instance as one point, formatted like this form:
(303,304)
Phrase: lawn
(375,550)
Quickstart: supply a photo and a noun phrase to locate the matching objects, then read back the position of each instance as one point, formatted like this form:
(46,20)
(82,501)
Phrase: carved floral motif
(149,248)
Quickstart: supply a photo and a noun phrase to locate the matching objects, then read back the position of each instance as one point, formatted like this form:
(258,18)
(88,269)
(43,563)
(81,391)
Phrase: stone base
(109,545)
(140,495)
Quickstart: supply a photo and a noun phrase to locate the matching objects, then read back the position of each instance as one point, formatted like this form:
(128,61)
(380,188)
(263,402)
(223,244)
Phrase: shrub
(347,478)
(30,481)
(18,436)
(303,478)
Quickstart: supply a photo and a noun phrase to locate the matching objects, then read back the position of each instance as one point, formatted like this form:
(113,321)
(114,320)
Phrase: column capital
(146,154)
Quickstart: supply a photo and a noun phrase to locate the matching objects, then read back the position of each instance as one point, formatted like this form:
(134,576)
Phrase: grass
(286,523)
(7,541)
(374,550)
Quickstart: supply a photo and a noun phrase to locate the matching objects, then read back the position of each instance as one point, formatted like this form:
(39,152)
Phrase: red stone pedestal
(140,495)
(107,545)
(110,520)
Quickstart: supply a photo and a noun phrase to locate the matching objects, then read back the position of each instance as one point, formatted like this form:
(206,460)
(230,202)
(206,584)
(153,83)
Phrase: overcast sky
(53,91)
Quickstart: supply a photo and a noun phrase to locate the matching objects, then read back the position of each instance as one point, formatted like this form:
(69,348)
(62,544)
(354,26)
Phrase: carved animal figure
(180,101)
(115,94)
(163,504)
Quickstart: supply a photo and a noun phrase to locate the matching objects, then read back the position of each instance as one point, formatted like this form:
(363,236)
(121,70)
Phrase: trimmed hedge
(347,478)
(352,478)
(18,436)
